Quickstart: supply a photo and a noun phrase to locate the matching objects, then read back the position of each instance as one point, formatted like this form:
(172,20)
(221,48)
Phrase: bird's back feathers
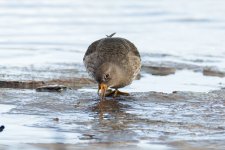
(116,50)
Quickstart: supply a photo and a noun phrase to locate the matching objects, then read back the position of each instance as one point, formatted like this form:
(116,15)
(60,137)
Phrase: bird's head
(108,75)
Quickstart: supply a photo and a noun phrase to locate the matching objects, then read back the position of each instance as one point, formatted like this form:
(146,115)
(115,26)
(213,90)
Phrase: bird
(113,62)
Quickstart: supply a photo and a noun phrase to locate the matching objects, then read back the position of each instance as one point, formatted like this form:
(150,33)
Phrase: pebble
(51,88)
(2,128)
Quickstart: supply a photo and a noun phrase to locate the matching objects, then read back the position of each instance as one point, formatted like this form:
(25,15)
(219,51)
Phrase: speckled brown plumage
(116,57)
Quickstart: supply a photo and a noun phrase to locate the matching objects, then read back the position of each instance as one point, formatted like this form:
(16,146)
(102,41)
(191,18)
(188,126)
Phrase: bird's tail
(111,35)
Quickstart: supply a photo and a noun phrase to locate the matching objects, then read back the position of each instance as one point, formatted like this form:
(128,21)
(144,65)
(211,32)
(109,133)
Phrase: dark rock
(171,64)
(71,82)
(2,128)
(159,70)
(87,137)
(51,88)
(21,84)
(213,72)
(56,119)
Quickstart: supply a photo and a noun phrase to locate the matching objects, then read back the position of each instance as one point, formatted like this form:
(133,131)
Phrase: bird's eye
(106,77)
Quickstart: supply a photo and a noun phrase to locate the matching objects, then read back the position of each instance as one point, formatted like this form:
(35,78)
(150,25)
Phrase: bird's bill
(103,87)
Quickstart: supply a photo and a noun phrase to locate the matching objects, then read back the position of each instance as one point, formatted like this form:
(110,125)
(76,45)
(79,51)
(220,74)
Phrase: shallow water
(43,40)
(143,118)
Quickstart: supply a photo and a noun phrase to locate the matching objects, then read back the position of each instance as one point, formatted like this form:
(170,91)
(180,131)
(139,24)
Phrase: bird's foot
(115,93)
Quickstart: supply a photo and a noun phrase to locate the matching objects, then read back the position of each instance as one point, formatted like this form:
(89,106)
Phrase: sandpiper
(113,62)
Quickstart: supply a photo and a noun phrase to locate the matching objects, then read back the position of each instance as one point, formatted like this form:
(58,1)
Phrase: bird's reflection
(110,119)
(111,113)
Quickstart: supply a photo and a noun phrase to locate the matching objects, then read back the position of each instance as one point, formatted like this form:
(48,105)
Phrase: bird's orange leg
(116,93)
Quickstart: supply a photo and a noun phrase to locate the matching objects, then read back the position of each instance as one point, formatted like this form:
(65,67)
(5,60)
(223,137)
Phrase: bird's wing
(135,64)
(133,48)
(92,48)
(134,59)
(90,58)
